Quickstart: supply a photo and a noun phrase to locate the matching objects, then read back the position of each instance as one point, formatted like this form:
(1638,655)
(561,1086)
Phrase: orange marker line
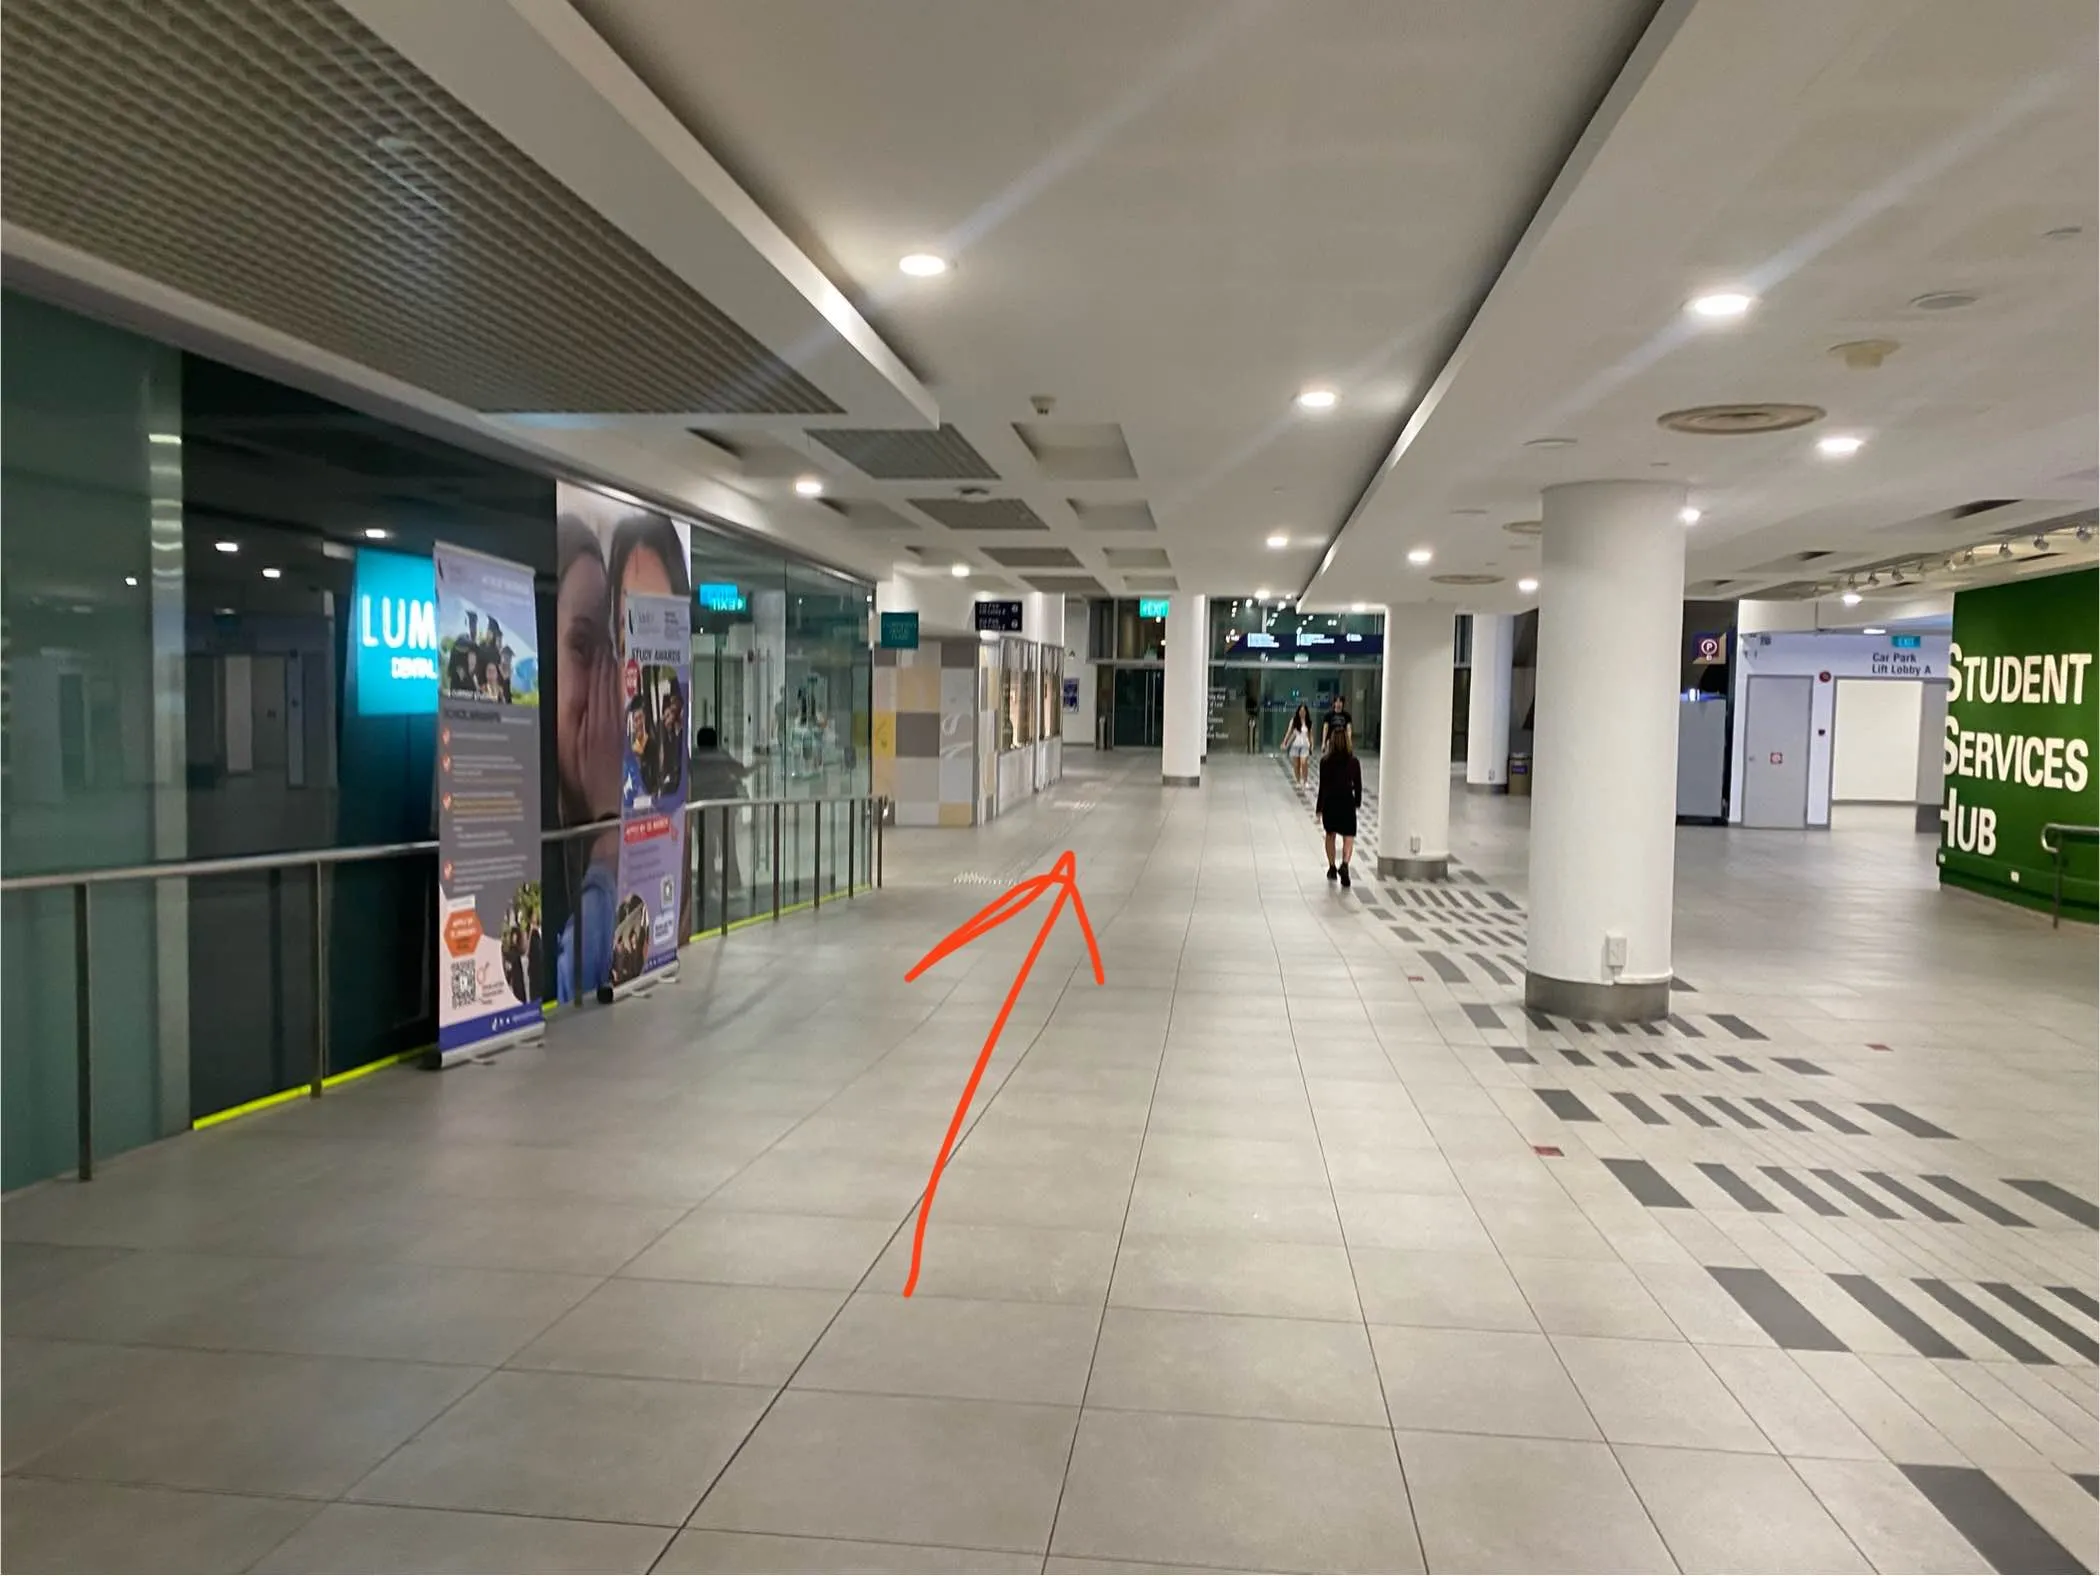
(1064,876)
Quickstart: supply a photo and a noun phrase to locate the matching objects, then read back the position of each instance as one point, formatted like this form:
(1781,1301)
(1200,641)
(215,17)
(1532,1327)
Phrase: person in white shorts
(1297,743)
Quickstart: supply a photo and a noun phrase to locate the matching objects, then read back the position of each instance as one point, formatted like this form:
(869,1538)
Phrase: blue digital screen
(722,598)
(393,634)
(1906,642)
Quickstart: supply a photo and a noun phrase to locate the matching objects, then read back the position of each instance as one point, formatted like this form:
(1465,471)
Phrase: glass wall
(91,714)
(191,564)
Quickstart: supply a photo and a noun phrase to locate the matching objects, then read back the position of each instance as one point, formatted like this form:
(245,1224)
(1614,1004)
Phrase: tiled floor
(1298,1246)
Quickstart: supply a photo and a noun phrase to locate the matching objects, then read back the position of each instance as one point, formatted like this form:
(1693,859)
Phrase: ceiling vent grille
(278,160)
(1136,558)
(909,454)
(981,514)
(1151,583)
(1133,516)
(1033,557)
(1066,585)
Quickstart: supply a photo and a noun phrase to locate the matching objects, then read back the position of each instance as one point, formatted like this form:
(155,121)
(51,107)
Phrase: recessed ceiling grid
(277,159)
(908,454)
(981,514)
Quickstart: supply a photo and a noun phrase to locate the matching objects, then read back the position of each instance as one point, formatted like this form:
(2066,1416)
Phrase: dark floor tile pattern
(1736,1188)
(2018,1347)
(2059,1199)
(1647,1184)
(1909,1121)
(1989,1208)
(1992,1520)
(1923,1338)
(1778,1312)
(2080,1342)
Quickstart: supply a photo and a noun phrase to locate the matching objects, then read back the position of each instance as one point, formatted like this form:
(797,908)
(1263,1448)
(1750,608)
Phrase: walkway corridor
(1298,1245)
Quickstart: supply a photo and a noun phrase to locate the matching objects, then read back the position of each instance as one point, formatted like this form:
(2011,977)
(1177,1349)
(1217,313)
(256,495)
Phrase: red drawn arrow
(1064,875)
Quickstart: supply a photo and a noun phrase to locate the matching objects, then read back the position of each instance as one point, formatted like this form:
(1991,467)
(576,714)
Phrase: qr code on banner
(465,990)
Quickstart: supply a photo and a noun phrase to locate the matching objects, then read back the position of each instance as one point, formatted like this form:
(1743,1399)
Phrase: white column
(1414,747)
(1604,771)
(1187,699)
(1487,703)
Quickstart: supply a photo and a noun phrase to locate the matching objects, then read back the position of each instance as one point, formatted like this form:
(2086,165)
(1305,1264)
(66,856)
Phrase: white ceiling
(1836,158)
(1168,216)
(1477,220)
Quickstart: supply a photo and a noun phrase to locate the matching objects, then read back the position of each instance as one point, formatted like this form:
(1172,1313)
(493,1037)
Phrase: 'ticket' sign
(2021,706)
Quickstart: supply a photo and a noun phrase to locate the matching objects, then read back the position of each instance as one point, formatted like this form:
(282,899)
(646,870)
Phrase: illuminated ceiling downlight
(276,159)
(1729,421)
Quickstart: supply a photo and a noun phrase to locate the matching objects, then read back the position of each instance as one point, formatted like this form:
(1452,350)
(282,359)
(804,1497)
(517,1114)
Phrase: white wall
(1875,741)
(1826,658)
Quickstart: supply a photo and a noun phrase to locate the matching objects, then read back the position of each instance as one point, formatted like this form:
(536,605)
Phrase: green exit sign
(1152,607)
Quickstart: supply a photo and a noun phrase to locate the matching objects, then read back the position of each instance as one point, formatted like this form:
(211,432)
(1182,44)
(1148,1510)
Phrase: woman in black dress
(1341,791)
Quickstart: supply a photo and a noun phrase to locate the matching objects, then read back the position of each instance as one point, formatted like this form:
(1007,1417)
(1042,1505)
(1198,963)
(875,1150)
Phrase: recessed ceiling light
(2005,549)
(1722,303)
(1527,585)
(1850,599)
(922,265)
(377,533)
(1317,399)
(273,574)
(809,487)
(1359,607)
(1874,629)
(1549,443)
(1262,595)
(1279,540)
(1838,446)
(960,571)
(1688,515)
(131,580)
(227,547)
(1419,555)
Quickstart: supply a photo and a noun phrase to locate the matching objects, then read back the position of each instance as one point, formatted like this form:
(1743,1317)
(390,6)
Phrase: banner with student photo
(656,646)
(491,935)
(608,549)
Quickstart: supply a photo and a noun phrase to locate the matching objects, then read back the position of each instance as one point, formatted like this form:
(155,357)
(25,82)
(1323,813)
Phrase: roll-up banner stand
(492,949)
(656,660)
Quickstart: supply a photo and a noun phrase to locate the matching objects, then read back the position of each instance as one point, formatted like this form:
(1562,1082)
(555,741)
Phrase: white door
(1775,752)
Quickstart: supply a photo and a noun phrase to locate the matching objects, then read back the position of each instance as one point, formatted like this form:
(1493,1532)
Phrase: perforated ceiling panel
(981,514)
(1033,557)
(907,455)
(1068,585)
(276,159)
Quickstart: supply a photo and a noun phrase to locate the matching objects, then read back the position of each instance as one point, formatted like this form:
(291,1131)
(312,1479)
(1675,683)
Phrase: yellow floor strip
(284,1095)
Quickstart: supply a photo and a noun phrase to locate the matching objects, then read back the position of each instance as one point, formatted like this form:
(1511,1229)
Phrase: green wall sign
(900,631)
(1152,607)
(2020,749)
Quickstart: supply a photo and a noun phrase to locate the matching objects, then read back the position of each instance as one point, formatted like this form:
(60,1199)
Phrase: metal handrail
(2057,854)
(322,860)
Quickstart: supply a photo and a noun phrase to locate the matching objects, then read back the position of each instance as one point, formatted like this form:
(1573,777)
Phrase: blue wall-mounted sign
(900,632)
(1906,642)
(720,597)
(393,634)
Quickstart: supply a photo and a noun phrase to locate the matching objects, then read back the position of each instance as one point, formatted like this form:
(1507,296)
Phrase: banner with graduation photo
(492,952)
(656,659)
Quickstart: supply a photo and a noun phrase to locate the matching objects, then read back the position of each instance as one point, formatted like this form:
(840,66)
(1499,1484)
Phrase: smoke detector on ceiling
(1042,404)
(1864,355)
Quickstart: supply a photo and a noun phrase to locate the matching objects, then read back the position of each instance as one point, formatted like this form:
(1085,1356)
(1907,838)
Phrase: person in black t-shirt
(1335,718)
